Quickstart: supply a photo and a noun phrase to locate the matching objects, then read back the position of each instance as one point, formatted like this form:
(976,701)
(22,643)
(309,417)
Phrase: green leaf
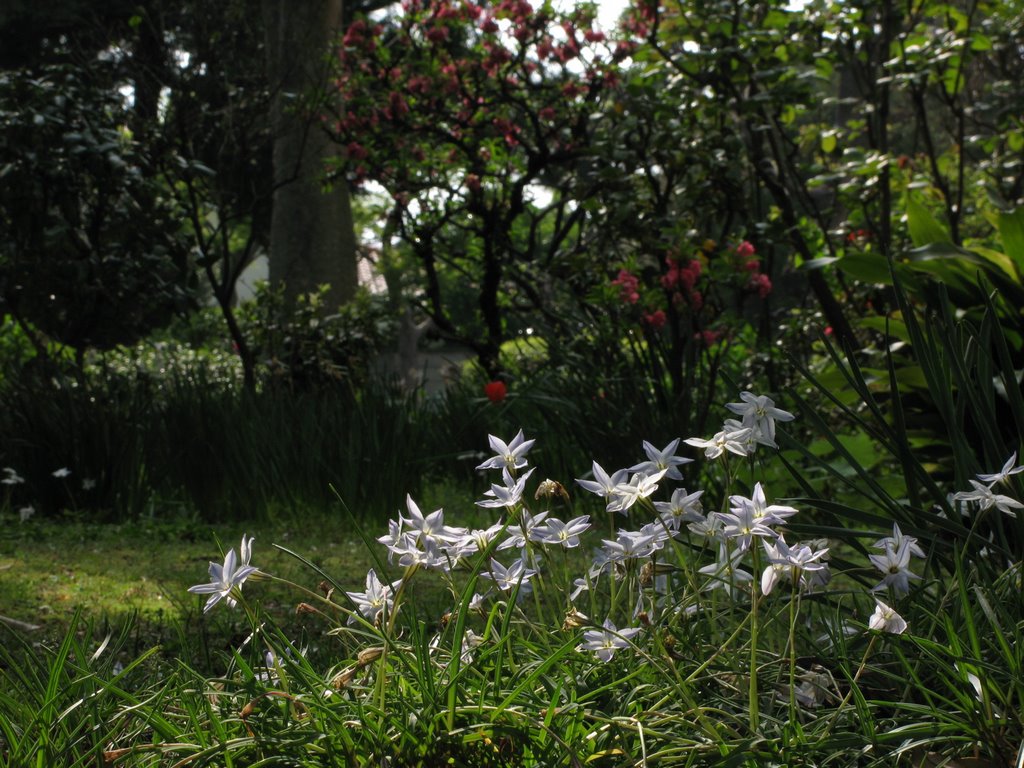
(866,267)
(925,229)
(981,42)
(953,78)
(896,328)
(998,259)
(1011,232)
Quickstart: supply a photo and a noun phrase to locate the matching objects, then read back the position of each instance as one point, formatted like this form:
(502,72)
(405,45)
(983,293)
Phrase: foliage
(463,113)
(953,408)
(91,254)
(746,658)
(305,346)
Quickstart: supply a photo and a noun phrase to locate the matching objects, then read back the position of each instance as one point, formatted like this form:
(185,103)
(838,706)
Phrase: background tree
(312,239)
(476,119)
(90,251)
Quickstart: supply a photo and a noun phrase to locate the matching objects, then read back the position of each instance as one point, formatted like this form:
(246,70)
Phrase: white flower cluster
(751,533)
(983,495)
(756,426)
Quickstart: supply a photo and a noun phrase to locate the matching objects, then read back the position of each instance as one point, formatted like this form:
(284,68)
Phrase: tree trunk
(312,239)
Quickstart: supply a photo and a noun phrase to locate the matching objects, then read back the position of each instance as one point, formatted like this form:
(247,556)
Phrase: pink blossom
(745,249)
(628,287)
(437,35)
(354,35)
(623,49)
(760,283)
(356,151)
(655,319)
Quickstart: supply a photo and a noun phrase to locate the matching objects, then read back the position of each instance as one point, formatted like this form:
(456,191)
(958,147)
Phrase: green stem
(755,715)
(794,602)
(849,693)
(720,650)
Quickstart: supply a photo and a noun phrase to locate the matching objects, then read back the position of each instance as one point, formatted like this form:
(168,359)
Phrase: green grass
(140,572)
(48,570)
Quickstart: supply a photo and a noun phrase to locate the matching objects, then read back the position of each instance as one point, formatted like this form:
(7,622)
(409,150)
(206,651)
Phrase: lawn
(50,569)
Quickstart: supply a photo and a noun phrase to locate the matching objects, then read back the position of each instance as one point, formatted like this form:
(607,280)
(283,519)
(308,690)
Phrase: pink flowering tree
(478,119)
(683,312)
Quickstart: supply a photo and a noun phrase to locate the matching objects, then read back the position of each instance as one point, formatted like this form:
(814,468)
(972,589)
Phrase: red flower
(437,35)
(708,337)
(495,391)
(655,319)
(745,249)
(628,286)
(760,283)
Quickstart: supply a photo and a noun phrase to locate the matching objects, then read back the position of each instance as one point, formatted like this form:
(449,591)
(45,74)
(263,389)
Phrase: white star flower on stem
(605,642)
(749,436)
(61,473)
(664,459)
(11,477)
(885,619)
(759,411)
(743,522)
(768,514)
(709,527)
(376,600)
(983,496)
(519,534)
(602,484)
(640,486)
(895,567)
(789,562)
(628,545)
(681,508)
(1003,475)
(424,552)
(226,579)
(725,572)
(508,456)
(658,532)
(507,579)
(507,495)
(728,440)
(554,531)
(393,538)
(430,527)
(245,550)
(474,541)
(896,541)
(580,586)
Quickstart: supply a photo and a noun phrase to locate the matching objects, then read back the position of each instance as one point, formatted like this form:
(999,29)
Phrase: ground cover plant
(736,477)
(700,631)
